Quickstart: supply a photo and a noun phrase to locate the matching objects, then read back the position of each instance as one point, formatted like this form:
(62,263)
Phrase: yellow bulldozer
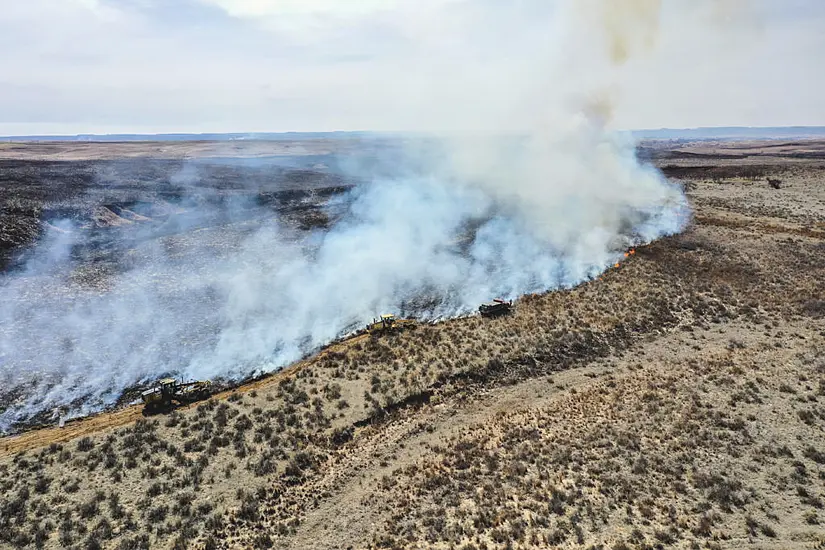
(388,323)
(168,391)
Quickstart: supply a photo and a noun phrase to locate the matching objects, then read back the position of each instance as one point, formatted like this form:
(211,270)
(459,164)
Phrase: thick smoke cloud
(528,194)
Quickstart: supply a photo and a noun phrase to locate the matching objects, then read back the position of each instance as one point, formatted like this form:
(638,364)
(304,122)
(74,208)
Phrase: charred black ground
(118,210)
(120,202)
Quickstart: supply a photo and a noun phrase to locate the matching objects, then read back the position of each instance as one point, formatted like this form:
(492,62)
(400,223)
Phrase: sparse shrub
(735,344)
(752,525)
(332,391)
(193,445)
(214,522)
(721,490)
(158,513)
(172,420)
(137,542)
(89,509)
(92,542)
(243,423)
(110,460)
(249,510)
(808,499)
(265,465)
(41,535)
(154,489)
(72,487)
(103,529)
(785,388)
(41,486)
(85,444)
(807,416)
(263,540)
(813,454)
(115,508)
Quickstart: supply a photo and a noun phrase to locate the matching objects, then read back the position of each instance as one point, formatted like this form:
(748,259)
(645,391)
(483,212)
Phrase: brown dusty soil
(677,401)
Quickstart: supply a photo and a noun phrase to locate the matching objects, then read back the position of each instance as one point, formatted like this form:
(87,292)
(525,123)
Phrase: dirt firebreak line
(41,437)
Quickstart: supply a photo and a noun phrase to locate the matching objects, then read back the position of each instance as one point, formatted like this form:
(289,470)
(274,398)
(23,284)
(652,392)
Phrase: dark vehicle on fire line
(495,308)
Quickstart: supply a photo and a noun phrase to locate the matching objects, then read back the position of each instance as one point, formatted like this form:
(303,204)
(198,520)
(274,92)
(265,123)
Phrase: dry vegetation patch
(660,455)
(675,401)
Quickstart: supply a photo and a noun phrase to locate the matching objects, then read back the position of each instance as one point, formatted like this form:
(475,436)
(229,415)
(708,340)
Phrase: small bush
(249,510)
(89,509)
(41,486)
(813,454)
(158,513)
(263,540)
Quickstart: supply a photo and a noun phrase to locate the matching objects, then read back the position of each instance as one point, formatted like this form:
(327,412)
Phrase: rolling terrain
(676,400)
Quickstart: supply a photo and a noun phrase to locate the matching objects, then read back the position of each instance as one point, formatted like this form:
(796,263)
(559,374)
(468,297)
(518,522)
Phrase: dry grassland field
(676,401)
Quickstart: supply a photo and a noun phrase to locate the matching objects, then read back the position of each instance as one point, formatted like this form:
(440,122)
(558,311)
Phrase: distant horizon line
(662,133)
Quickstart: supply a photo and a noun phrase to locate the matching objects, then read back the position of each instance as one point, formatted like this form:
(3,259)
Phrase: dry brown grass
(677,401)
(648,457)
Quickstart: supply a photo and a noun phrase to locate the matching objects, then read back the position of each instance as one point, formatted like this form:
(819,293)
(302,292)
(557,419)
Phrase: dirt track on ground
(106,421)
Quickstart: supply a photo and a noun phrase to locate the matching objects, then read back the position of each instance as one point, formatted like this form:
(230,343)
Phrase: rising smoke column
(527,192)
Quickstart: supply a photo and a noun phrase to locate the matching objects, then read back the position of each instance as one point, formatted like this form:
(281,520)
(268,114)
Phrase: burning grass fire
(364,443)
(493,323)
(202,276)
(627,255)
(410,245)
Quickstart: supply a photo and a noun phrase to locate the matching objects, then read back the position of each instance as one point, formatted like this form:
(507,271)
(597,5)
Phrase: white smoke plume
(523,191)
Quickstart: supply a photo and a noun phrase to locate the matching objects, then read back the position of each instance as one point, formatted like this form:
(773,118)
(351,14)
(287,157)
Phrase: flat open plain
(676,401)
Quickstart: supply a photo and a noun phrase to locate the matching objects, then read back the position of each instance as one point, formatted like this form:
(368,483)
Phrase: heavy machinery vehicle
(495,308)
(168,391)
(388,323)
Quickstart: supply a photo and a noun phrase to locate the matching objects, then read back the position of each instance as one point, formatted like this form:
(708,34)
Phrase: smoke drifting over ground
(428,244)
(430,232)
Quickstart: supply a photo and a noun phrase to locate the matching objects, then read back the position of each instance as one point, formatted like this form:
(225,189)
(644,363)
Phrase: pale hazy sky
(83,66)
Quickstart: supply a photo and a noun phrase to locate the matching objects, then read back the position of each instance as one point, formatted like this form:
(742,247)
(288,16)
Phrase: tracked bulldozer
(388,323)
(495,308)
(169,391)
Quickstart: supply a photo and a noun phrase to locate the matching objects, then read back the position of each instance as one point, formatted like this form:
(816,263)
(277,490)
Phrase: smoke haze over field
(445,225)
